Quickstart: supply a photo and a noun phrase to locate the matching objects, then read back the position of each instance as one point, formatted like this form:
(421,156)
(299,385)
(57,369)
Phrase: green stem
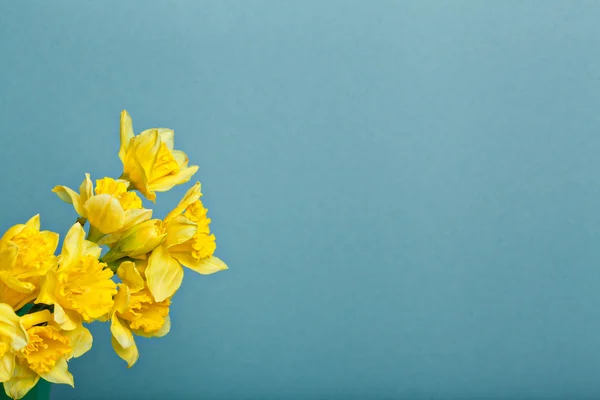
(94,235)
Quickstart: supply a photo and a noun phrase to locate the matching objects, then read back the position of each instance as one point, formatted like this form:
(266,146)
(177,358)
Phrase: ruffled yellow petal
(164,274)
(23,380)
(105,213)
(166,328)
(144,313)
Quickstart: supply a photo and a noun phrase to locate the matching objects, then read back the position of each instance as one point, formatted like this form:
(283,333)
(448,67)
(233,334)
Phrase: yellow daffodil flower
(182,238)
(46,354)
(110,207)
(136,312)
(26,253)
(136,242)
(80,288)
(13,337)
(188,243)
(150,162)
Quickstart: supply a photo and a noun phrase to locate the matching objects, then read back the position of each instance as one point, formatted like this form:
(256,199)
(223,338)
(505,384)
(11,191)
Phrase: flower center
(165,163)
(87,288)
(46,346)
(118,189)
(36,251)
(203,243)
(144,313)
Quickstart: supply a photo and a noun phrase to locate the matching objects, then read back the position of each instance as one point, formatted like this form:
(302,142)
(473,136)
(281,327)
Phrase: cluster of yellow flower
(45,299)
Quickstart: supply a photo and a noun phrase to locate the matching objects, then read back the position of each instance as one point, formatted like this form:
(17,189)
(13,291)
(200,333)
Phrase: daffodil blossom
(26,254)
(80,288)
(13,337)
(46,354)
(150,161)
(183,238)
(109,207)
(136,312)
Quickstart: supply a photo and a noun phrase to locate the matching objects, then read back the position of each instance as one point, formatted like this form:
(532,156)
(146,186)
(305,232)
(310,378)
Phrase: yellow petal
(67,320)
(48,287)
(11,328)
(160,333)
(60,373)
(147,144)
(7,366)
(15,284)
(167,136)
(164,274)
(29,320)
(8,256)
(126,134)
(105,213)
(80,340)
(180,157)
(91,249)
(136,216)
(137,241)
(70,196)
(179,230)
(167,182)
(86,190)
(130,354)
(121,299)
(23,380)
(190,197)
(50,242)
(73,245)
(130,276)
(34,223)
(206,266)
(121,333)
(135,174)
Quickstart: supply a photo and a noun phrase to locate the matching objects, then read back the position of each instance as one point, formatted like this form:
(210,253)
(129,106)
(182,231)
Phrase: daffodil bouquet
(46,299)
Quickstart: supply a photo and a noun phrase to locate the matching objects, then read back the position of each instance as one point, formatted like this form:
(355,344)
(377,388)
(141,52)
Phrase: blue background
(407,193)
